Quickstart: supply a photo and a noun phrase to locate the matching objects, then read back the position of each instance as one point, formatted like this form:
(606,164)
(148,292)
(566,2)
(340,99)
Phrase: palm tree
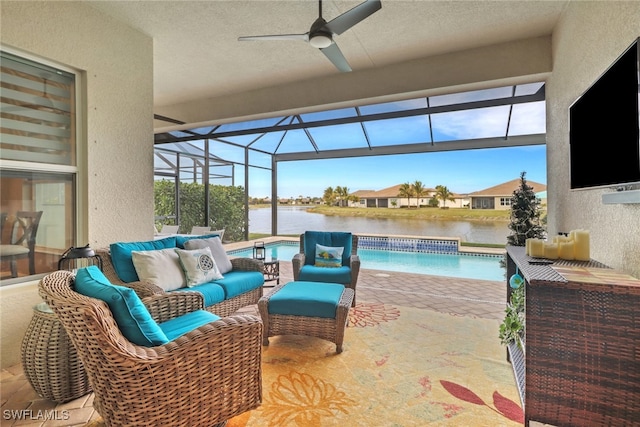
(419,191)
(406,190)
(443,193)
(343,195)
(329,196)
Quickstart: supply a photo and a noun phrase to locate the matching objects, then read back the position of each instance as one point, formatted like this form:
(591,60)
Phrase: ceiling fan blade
(350,18)
(301,37)
(335,55)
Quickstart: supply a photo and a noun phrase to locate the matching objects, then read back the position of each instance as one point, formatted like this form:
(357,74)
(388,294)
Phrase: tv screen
(604,127)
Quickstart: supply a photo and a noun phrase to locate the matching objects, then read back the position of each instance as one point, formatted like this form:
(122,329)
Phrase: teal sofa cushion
(212,292)
(310,299)
(312,273)
(326,238)
(123,262)
(238,282)
(181,325)
(181,240)
(131,315)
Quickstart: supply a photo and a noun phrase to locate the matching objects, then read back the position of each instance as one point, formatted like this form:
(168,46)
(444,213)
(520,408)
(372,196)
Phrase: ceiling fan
(321,33)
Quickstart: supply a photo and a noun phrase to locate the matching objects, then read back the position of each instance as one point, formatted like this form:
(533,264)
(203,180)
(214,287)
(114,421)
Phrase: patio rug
(400,367)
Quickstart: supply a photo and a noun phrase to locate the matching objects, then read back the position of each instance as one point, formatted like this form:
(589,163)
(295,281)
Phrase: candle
(527,245)
(536,248)
(565,250)
(581,249)
(560,238)
(551,250)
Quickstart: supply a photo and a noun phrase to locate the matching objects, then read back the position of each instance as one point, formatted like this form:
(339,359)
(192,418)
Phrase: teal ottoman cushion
(238,282)
(309,299)
(131,315)
(179,326)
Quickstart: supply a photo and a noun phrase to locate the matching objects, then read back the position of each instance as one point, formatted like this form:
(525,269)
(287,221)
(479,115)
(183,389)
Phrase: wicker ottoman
(297,321)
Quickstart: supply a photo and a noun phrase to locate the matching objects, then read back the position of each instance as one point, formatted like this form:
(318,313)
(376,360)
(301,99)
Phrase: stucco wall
(589,37)
(117,188)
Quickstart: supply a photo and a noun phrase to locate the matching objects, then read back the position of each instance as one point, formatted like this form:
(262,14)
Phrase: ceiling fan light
(320,41)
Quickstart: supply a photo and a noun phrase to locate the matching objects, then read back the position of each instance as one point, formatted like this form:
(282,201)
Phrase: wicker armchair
(222,309)
(303,261)
(202,378)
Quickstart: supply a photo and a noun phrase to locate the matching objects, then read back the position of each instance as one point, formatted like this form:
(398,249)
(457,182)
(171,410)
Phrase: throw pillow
(217,250)
(199,266)
(160,267)
(131,315)
(327,256)
(121,255)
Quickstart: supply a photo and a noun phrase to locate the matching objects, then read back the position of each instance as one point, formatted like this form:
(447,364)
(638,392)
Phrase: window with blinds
(38,112)
(38,170)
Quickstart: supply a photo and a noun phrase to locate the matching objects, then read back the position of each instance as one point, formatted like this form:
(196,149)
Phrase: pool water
(473,266)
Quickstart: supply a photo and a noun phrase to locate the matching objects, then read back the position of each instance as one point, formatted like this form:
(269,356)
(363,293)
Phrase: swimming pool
(469,266)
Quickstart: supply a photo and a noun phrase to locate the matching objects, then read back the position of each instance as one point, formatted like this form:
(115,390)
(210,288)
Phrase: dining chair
(22,240)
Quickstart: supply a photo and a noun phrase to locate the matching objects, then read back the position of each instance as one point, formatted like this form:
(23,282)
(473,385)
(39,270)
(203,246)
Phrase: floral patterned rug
(400,367)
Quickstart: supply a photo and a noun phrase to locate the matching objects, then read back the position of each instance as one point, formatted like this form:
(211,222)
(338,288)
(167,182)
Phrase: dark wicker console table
(582,357)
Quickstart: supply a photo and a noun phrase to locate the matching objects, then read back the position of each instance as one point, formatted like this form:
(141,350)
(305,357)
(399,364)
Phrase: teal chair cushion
(326,238)
(212,292)
(312,273)
(238,282)
(179,326)
(131,315)
(310,299)
(121,255)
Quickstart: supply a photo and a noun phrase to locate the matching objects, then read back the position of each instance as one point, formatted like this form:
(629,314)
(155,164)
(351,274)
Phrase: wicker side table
(49,359)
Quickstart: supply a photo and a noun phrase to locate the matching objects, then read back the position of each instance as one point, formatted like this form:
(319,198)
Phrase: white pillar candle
(536,248)
(551,250)
(565,250)
(581,248)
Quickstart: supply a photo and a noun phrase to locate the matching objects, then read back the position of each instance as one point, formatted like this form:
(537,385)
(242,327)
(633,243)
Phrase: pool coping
(274,239)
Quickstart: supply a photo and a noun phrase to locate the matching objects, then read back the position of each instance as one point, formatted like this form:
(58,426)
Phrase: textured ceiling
(197,54)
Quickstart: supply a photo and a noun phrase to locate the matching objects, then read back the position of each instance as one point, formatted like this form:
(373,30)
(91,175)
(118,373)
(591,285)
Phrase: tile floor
(21,406)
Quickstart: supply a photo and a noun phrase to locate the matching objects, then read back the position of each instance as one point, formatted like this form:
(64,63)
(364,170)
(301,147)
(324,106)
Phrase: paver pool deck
(461,297)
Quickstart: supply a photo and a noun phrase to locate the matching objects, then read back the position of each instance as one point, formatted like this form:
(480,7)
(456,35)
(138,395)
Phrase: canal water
(296,220)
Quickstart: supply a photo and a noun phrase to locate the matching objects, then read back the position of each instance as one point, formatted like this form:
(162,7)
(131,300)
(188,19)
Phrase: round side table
(49,359)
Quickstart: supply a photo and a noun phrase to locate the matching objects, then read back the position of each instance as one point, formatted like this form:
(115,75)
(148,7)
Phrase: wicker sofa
(203,377)
(241,286)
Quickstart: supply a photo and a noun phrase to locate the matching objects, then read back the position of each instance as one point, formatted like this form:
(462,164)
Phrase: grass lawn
(414,213)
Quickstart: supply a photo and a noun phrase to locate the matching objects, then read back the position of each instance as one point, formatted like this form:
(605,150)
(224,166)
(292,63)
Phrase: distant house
(389,198)
(499,196)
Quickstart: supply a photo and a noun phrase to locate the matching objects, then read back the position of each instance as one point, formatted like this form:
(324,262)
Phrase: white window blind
(37,120)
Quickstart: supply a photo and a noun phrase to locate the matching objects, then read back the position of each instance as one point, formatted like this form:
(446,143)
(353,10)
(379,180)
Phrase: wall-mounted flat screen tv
(604,127)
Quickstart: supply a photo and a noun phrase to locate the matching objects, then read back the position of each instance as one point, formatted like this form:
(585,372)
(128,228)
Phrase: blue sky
(461,171)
